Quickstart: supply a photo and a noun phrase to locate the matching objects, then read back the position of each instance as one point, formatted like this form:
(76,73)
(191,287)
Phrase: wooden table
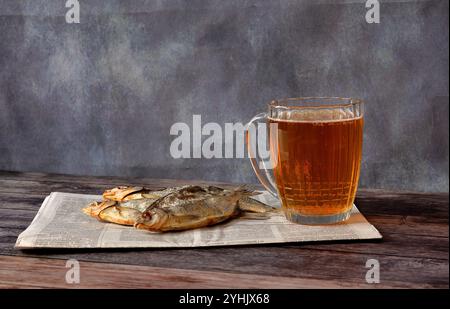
(413,253)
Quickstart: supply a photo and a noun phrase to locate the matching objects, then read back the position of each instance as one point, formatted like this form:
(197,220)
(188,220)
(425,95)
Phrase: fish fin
(254,216)
(251,205)
(245,190)
(94,208)
(120,193)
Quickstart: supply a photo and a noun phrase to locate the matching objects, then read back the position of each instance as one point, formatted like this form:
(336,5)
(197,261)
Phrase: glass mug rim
(314,102)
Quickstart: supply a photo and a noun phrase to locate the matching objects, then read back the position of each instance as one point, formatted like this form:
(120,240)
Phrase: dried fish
(190,207)
(177,208)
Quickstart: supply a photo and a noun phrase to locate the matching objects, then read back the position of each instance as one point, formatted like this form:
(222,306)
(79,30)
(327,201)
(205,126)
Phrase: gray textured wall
(99,97)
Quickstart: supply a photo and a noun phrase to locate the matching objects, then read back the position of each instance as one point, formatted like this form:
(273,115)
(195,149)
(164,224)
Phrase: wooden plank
(310,260)
(46,181)
(80,179)
(20,210)
(396,245)
(426,246)
(410,225)
(428,205)
(108,180)
(271,261)
(405,216)
(414,249)
(51,273)
(431,206)
(412,245)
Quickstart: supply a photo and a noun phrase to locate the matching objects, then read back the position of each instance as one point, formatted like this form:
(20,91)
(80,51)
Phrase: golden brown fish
(175,208)
(122,205)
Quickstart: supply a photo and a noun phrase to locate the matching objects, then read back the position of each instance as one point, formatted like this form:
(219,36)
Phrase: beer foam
(315,115)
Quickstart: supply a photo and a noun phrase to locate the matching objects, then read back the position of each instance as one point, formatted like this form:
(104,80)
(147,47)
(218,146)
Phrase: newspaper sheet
(60,223)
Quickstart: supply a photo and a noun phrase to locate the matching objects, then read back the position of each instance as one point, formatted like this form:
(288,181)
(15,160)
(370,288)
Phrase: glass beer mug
(315,155)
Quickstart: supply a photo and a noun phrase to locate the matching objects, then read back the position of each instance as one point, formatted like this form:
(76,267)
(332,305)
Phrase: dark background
(99,97)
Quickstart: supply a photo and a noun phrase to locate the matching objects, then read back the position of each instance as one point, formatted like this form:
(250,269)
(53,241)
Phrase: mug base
(316,220)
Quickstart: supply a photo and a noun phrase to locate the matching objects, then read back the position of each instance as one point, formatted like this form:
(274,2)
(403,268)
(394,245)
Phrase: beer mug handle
(259,166)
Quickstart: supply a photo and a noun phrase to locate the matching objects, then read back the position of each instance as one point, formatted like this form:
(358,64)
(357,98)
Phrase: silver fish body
(190,207)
